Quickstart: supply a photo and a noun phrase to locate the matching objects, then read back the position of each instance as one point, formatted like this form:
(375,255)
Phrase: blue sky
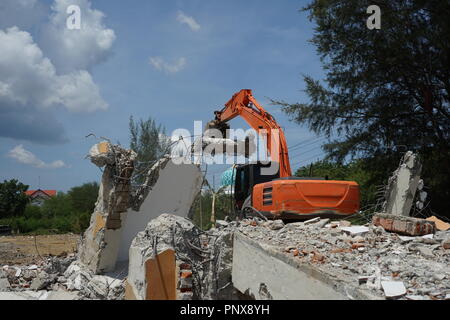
(176,61)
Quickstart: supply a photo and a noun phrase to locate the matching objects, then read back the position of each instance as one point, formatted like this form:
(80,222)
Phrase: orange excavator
(276,193)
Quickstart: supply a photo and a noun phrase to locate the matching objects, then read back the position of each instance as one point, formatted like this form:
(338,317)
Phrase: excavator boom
(243,104)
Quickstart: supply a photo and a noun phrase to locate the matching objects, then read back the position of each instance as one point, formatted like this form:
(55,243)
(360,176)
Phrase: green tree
(12,198)
(83,197)
(385,90)
(202,208)
(57,206)
(149,141)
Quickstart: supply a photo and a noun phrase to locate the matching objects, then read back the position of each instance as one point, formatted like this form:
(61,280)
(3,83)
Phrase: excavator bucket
(221,126)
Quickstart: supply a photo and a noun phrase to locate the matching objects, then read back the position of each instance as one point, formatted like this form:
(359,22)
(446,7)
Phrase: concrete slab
(264,273)
(174,192)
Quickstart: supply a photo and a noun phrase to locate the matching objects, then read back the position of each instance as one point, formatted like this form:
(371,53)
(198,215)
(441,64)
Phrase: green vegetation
(149,141)
(385,91)
(352,171)
(66,212)
(12,198)
(202,208)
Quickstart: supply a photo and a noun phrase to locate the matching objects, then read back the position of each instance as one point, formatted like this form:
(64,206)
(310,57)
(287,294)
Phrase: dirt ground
(29,249)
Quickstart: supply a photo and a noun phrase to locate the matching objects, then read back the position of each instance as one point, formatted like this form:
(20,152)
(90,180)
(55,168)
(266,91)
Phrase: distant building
(39,196)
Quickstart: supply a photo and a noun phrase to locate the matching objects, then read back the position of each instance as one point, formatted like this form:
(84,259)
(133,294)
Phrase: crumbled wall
(204,257)
(169,187)
(100,244)
(120,212)
(402,185)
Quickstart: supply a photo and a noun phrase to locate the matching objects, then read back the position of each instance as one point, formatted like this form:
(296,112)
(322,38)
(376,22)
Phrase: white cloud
(159,64)
(37,77)
(24,156)
(28,78)
(76,49)
(190,21)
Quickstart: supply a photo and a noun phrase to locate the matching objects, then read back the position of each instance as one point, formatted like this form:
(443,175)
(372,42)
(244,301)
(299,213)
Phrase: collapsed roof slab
(264,273)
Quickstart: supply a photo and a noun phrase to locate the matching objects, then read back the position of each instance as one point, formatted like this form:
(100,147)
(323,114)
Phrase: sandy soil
(29,249)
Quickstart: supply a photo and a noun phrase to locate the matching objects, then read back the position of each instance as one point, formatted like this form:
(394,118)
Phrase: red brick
(185,274)
(404,225)
(185,266)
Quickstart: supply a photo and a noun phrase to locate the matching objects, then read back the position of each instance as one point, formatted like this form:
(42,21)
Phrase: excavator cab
(247,176)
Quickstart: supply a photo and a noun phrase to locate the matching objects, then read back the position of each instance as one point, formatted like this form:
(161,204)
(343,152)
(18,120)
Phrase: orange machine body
(293,199)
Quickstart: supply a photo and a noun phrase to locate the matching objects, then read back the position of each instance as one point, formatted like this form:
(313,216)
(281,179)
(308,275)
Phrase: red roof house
(38,196)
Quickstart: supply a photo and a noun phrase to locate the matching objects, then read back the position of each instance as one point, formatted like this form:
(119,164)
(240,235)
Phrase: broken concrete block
(277,225)
(313,220)
(355,230)
(4,284)
(425,251)
(393,289)
(404,225)
(344,223)
(446,243)
(221,224)
(402,186)
(101,154)
(196,257)
(41,281)
(321,223)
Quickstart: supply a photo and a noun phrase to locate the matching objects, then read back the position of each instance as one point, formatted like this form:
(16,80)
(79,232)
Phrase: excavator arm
(243,104)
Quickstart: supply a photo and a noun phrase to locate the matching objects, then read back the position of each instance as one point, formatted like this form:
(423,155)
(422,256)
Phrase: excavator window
(247,176)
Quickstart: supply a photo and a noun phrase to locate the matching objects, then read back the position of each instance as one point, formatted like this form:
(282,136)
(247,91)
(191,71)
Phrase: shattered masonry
(122,212)
(402,186)
(202,261)
(99,248)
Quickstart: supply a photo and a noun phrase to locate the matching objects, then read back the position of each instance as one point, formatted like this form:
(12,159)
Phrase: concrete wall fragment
(263,274)
(402,186)
(202,259)
(100,245)
(167,232)
(169,187)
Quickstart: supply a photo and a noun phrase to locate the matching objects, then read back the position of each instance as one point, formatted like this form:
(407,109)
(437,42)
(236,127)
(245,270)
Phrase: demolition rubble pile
(57,278)
(203,258)
(365,256)
(393,256)
(100,245)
